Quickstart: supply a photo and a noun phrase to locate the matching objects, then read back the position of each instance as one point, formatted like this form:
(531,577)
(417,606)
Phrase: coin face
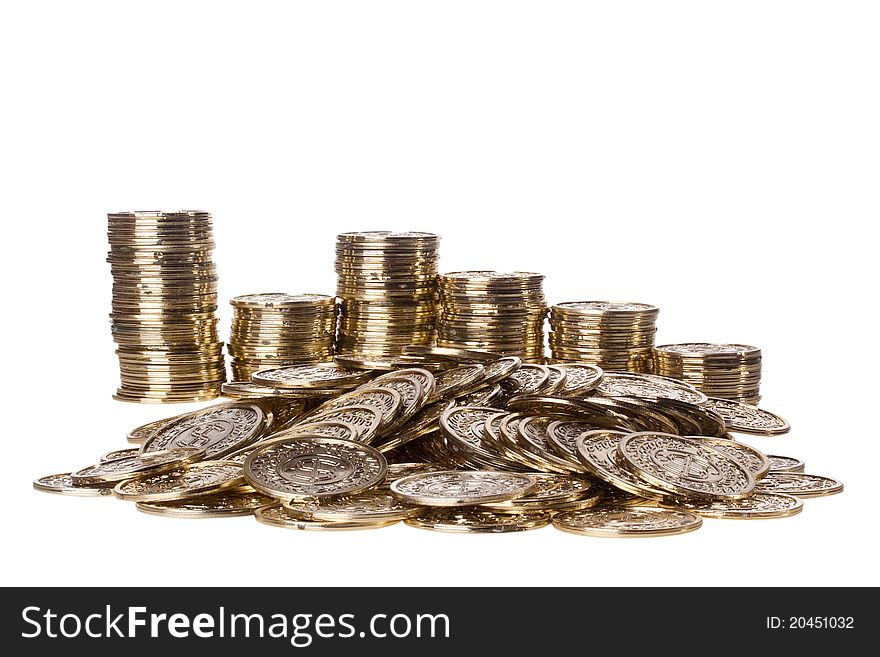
(597,451)
(328,428)
(486,396)
(627,521)
(134,466)
(615,384)
(422,376)
(755,506)
(276,516)
(298,467)
(549,490)
(140,434)
(321,375)
(120,454)
(799,484)
(785,464)
(411,394)
(451,353)
(280,300)
(526,380)
(748,419)
(500,369)
(190,481)
(399,470)
(580,378)
(756,461)
(708,349)
(533,433)
(366,420)
(684,467)
(562,436)
(458,380)
(225,504)
(63,484)
(246,390)
(462,487)
(219,430)
(374,504)
(387,400)
(478,521)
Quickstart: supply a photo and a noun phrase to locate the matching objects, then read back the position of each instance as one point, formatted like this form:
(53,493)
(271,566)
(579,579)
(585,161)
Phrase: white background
(717,159)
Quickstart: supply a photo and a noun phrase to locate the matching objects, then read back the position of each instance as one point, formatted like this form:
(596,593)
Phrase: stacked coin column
(164,305)
(276,330)
(499,312)
(387,287)
(726,371)
(616,336)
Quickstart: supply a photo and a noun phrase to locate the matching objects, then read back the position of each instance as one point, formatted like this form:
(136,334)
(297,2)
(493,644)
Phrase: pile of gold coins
(164,304)
(727,371)
(498,312)
(483,444)
(275,329)
(616,336)
(387,288)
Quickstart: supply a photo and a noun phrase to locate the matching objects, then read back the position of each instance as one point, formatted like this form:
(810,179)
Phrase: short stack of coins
(493,311)
(274,329)
(387,287)
(616,336)
(725,371)
(164,305)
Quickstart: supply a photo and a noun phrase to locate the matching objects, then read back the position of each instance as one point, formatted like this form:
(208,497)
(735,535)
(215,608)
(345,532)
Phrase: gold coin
(785,464)
(275,516)
(226,504)
(627,521)
(191,481)
(117,470)
(799,484)
(478,521)
(63,484)
(375,504)
(755,506)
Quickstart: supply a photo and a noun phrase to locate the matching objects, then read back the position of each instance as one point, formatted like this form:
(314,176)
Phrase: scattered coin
(120,454)
(799,484)
(63,484)
(276,516)
(597,451)
(478,521)
(785,464)
(461,487)
(756,461)
(550,491)
(458,381)
(745,418)
(304,466)
(134,466)
(226,504)
(190,481)
(375,504)
(617,384)
(627,521)
(756,505)
(366,420)
(684,467)
(219,430)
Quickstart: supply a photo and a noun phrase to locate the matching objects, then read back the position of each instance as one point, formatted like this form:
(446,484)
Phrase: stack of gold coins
(274,329)
(727,371)
(164,304)
(616,336)
(493,311)
(387,286)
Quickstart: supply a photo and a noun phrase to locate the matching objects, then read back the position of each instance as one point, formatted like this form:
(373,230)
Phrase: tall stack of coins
(164,303)
(616,336)
(727,371)
(387,286)
(493,311)
(274,329)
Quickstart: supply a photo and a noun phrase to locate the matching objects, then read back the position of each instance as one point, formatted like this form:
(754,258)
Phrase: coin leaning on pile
(486,444)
